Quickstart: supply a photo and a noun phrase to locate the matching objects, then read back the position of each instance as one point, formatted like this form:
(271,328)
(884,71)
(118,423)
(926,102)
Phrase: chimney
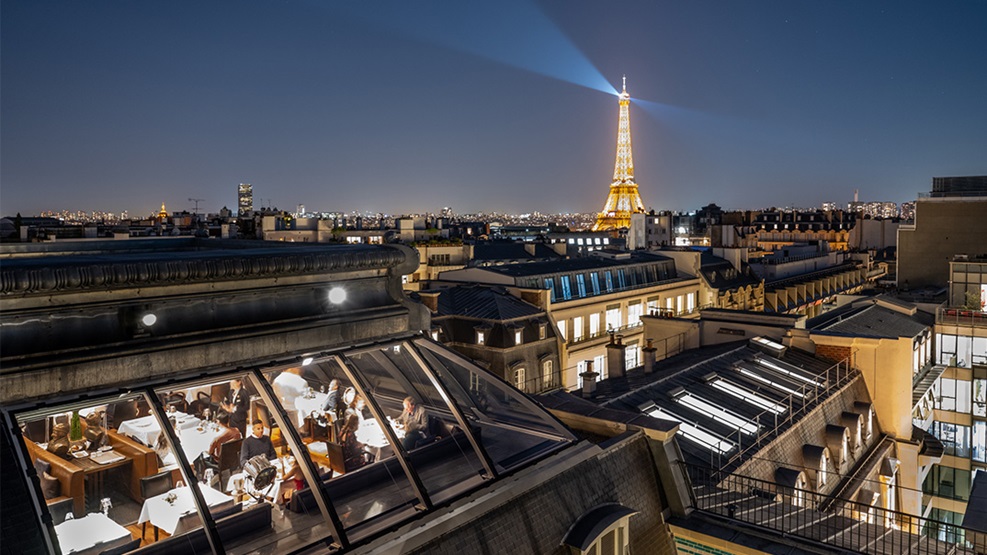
(616,359)
(430,299)
(649,357)
(589,380)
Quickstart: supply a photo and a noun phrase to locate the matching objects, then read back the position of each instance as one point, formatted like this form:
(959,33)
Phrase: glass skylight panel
(779,368)
(768,343)
(720,415)
(758,377)
(748,396)
(695,434)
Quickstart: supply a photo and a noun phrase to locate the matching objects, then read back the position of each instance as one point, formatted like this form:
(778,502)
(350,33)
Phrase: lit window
(716,413)
(546,373)
(542,332)
(613,317)
(577,328)
(519,378)
(634,312)
(594,323)
(562,334)
(518,336)
(694,433)
(480,338)
(749,396)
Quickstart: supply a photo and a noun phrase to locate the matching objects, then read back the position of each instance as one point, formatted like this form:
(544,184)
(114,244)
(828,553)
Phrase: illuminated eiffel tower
(624,199)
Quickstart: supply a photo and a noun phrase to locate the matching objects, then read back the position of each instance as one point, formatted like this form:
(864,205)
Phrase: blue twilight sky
(508,106)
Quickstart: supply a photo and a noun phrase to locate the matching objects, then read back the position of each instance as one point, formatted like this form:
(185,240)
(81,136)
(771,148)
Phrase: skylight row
(788,372)
(695,434)
(749,396)
(722,416)
(758,377)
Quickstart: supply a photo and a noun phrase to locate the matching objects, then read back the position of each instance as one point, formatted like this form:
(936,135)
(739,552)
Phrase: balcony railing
(846,524)
(961,317)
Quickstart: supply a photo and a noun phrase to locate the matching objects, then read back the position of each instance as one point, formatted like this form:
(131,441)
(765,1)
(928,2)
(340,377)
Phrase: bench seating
(144,461)
(71,478)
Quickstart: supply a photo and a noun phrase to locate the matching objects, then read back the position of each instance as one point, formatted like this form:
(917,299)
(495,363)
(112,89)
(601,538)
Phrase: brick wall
(537,521)
(834,353)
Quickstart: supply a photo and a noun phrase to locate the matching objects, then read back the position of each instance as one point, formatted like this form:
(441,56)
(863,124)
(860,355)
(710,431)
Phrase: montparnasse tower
(624,199)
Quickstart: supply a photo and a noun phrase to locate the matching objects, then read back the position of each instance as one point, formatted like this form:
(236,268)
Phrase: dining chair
(229,459)
(59,509)
(152,486)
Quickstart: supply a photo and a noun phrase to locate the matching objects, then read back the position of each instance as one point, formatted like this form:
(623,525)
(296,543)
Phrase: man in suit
(237,403)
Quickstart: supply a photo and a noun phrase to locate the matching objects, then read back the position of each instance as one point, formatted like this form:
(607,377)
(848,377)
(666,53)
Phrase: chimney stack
(649,357)
(430,299)
(589,380)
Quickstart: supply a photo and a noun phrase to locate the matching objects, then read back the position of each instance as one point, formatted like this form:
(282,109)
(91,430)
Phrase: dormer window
(518,336)
(481,337)
(542,332)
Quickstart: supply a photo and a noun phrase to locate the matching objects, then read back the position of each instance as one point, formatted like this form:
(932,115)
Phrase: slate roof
(485,252)
(692,371)
(483,302)
(870,321)
(574,265)
(720,274)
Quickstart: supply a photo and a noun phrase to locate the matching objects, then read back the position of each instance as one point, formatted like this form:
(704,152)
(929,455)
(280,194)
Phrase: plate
(80,454)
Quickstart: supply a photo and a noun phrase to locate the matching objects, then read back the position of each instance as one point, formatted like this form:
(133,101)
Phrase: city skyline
(117,106)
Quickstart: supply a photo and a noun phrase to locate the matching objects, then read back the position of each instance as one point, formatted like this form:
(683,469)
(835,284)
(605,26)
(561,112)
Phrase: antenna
(196,201)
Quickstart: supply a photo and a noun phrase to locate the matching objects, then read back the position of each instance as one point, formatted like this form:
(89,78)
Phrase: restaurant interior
(330,449)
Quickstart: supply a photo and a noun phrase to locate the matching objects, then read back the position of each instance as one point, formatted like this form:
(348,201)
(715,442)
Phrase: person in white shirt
(288,386)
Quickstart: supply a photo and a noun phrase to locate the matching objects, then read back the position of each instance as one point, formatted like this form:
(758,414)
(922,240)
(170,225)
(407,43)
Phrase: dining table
(309,404)
(178,514)
(91,534)
(146,429)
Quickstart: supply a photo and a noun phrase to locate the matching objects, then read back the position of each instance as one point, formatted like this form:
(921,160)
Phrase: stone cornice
(76,273)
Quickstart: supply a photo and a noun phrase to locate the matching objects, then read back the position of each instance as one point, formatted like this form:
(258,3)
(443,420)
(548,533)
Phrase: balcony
(961,317)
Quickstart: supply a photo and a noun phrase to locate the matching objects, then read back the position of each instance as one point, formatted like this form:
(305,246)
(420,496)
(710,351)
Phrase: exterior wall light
(337,295)
(149,319)
(307,361)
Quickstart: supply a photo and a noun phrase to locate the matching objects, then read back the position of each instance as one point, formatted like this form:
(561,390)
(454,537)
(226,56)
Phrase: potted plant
(76,439)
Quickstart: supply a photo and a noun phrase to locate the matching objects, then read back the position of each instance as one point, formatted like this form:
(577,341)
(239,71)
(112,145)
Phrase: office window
(577,328)
(634,311)
(954,395)
(566,288)
(613,316)
(581,284)
(594,323)
(980,441)
(955,437)
(550,285)
(979,397)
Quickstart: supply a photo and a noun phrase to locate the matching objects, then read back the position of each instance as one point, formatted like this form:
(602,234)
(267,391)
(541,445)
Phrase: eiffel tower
(624,198)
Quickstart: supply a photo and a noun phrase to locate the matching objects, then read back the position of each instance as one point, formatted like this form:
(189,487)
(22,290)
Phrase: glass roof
(341,445)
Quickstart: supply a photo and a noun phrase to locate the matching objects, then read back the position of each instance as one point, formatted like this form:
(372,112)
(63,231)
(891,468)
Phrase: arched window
(547,379)
(519,378)
(603,529)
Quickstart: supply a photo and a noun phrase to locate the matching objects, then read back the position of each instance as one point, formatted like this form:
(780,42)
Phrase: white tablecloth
(192,394)
(80,534)
(195,442)
(306,406)
(166,515)
(146,430)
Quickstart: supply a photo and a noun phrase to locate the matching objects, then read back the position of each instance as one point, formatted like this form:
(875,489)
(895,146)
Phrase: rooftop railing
(961,317)
(848,524)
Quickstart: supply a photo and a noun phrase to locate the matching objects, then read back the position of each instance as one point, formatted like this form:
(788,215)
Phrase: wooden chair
(229,459)
(155,485)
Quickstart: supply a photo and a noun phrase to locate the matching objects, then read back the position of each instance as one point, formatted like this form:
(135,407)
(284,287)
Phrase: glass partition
(364,481)
(512,429)
(247,481)
(104,475)
(437,447)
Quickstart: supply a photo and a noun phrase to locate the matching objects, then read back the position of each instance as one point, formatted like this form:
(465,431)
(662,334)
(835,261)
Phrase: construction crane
(196,201)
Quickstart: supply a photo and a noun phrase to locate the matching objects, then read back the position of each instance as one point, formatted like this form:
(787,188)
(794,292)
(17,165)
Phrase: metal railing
(961,317)
(604,333)
(848,524)
(539,384)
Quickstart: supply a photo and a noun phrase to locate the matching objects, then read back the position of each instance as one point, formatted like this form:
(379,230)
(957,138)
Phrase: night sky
(500,106)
